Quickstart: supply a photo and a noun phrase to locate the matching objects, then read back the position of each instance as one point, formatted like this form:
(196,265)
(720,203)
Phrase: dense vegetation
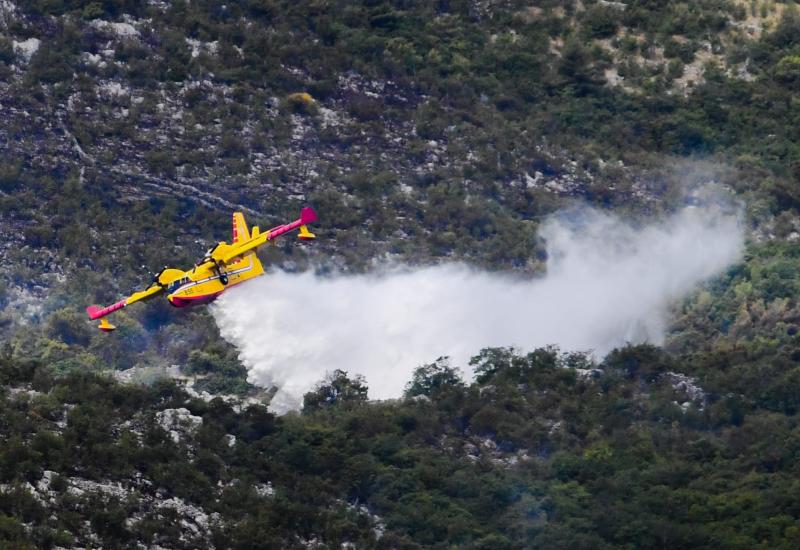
(544,450)
(422,131)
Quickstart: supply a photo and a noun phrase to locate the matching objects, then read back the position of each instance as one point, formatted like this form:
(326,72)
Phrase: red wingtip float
(224,266)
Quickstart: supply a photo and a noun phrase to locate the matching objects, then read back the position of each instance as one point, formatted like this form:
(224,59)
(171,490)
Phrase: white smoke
(607,284)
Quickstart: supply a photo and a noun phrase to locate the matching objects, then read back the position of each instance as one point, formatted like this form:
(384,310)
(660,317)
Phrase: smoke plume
(607,284)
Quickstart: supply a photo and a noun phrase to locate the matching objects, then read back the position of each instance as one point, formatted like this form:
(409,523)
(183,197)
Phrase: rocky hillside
(455,117)
(545,450)
(422,132)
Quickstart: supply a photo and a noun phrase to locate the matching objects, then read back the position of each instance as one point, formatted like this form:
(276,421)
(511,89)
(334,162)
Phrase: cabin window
(175,285)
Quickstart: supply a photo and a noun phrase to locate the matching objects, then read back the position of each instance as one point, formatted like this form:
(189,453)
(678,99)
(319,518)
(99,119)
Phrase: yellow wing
(143,294)
(96,312)
(225,254)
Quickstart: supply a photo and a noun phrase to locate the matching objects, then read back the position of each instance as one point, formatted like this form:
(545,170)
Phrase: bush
(365,108)
(787,70)
(161,162)
(600,22)
(6,50)
(301,103)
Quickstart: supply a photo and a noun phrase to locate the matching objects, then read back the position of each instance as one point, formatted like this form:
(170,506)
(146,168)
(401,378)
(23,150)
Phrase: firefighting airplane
(224,266)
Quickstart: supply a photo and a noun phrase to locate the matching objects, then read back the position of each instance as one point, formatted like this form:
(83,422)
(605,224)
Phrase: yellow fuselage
(206,281)
(225,265)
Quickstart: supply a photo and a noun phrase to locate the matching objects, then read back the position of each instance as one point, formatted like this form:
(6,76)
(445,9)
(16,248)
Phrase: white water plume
(607,284)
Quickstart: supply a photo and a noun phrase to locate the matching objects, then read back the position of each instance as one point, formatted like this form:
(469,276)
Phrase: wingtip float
(225,265)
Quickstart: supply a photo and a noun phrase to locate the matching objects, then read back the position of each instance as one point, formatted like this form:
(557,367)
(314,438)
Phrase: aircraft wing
(95,312)
(307,215)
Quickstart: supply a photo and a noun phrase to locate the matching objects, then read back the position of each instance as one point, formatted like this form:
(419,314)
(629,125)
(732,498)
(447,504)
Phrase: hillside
(423,133)
(544,450)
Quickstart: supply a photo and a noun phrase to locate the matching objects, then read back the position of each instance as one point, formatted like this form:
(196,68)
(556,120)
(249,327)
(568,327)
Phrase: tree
(69,326)
(491,361)
(434,378)
(643,360)
(336,390)
(577,69)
